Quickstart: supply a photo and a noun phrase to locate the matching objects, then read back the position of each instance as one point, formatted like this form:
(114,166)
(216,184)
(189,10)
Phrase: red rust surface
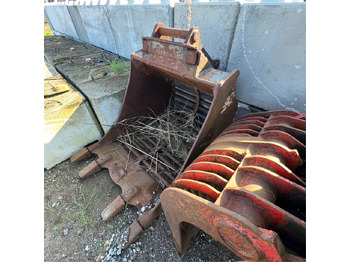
(260,210)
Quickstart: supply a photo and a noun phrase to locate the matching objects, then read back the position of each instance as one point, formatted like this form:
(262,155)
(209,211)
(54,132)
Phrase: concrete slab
(105,93)
(97,26)
(94,79)
(58,49)
(269,50)
(60,19)
(216,21)
(131,22)
(69,123)
(49,70)
(69,66)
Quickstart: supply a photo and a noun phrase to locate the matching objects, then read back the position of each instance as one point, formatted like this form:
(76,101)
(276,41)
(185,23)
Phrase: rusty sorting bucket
(171,83)
(246,190)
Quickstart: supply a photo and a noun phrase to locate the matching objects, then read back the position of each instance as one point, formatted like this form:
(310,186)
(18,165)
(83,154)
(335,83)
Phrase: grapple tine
(208,177)
(90,169)
(285,138)
(289,120)
(134,230)
(228,161)
(271,164)
(217,168)
(139,225)
(297,133)
(115,207)
(255,120)
(245,126)
(82,154)
(261,209)
(190,184)
(242,132)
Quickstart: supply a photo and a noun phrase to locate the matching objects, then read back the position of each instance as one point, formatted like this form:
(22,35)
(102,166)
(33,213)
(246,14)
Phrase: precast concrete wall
(78,23)
(269,51)
(264,40)
(131,22)
(216,21)
(97,25)
(60,20)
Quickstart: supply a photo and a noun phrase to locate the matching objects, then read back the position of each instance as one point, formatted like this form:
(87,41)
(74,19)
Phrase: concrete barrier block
(82,64)
(49,70)
(88,69)
(216,21)
(69,123)
(63,43)
(269,1)
(60,49)
(60,19)
(106,94)
(269,51)
(97,26)
(78,22)
(131,22)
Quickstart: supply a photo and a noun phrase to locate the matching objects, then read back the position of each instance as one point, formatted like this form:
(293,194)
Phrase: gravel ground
(75,231)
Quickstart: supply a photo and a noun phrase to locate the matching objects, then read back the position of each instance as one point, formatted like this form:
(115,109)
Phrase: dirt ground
(75,231)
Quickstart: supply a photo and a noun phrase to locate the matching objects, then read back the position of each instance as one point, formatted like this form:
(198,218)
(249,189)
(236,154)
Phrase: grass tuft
(118,66)
(82,209)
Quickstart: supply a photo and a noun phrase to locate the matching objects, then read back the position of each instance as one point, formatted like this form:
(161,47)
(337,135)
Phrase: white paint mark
(262,49)
(251,69)
(297,66)
(299,10)
(266,32)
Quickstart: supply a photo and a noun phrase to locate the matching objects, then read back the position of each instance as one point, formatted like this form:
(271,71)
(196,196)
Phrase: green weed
(48,208)
(118,66)
(122,224)
(126,206)
(82,210)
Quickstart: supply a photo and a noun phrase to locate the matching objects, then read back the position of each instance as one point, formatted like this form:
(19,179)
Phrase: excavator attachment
(171,84)
(246,190)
